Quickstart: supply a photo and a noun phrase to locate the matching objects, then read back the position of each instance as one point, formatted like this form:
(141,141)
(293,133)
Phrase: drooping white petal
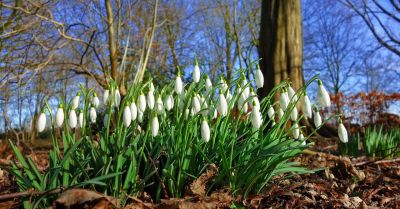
(75,101)
(296,131)
(280,113)
(228,96)
(178,85)
(141,103)
(196,106)
(60,117)
(95,102)
(222,105)
(317,119)
(271,112)
(223,86)
(292,94)
(106,95)
(306,107)
(208,85)
(151,87)
(256,118)
(342,132)
(72,119)
(159,105)
(205,131)
(154,126)
(169,102)
(259,78)
(127,116)
(196,74)
(92,115)
(294,114)
(150,100)
(41,122)
(283,100)
(80,119)
(140,116)
(133,111)
(245,89)
(323,96)
(117,98)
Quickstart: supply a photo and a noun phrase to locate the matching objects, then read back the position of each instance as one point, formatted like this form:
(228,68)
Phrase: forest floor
(340,182)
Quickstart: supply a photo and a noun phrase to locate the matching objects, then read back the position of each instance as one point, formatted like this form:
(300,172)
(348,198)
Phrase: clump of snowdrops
(159,139)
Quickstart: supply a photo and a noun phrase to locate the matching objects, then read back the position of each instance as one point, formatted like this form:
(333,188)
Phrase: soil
(338,182)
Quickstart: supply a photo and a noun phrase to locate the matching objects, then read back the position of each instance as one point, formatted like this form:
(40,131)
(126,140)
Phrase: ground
(339,182)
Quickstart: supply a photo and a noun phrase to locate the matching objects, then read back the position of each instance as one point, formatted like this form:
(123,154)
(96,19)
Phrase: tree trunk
(111,41)
(281,43)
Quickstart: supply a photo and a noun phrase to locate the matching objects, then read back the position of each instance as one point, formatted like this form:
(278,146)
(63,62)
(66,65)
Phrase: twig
(6,197)
(322,154)
(377,162)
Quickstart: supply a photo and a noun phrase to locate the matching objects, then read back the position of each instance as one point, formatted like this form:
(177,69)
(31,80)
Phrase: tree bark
(281,43)
(111,41)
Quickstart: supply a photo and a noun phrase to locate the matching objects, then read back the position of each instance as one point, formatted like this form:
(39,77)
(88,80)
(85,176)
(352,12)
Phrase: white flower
(92,115)
(323,96)
(133,111)
(284,100)
(280,113)
(169,102)
(301,138)
(255,103)
(105,119)
(178,84)
(259,78)
(342,132)
(294,114)
(196,73)
(80,119)
(106,94)
(228,96)
(222,105)
(159,105)
(150,100)
(292,94)
(154,126)
(41,122)
(215,113)
(205,131)
(141,103)
(306,107)
(60,116)
(296,131)
(224,87)
(127,116)
(187,112)
(317,118)
(95,101)
(271,112)
(256,118)
(245,89)
(196,106)
(117,98)
(72,119)
(208,85)
(151,87)
(140,116)
(75,101)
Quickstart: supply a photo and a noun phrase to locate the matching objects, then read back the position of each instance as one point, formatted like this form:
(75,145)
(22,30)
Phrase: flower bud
(75,101)
(259,78)
(178,85)
(169,102)
(196,106)
(141,103)
(294,114)
(134,110)
(60,116)
(95,101)
(317,118)
(284,100)
(256,118)
(296,131)
(72,119)
(306,107)
(106,95)
(41,122)
(154,126)
(150,100)
(222,105)
(205,131)
(127,116)
(80,119)
(92,115)
(342,132)
(117,98)
(271,112)
(159,105)
(323,96)
(196,73)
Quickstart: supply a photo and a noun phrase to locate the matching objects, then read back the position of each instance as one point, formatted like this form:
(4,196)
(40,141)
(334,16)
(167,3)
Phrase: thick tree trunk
(111,41)
(281,43)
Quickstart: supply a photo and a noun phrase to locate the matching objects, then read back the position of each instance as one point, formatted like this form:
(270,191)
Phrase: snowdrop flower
(222,105)
(342,132)
(159,105)
(60,116)
(317,118)
(140,115)
(196,106)
(92,115)
(301,138)
(75,101)
(271,112)
(296,131)
(224,87)
(204,106)
(187,112)
(169,102)
(95,100)
(106,95)
(196,72)
(323,95)
(141,102)
(245,88)
(306,107)
(255,103)
(215,113)
(150,100)
(294,114)
(292,94)
(41,122)
(259,78)
(205,130)
(256,118)
(151,87)
(228,96)
(127,116)
(208,84)
(178,84)
(284,100)
(154,126)
(134,110)
(117,98)
(80,119)
(72,119)
(280,113)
